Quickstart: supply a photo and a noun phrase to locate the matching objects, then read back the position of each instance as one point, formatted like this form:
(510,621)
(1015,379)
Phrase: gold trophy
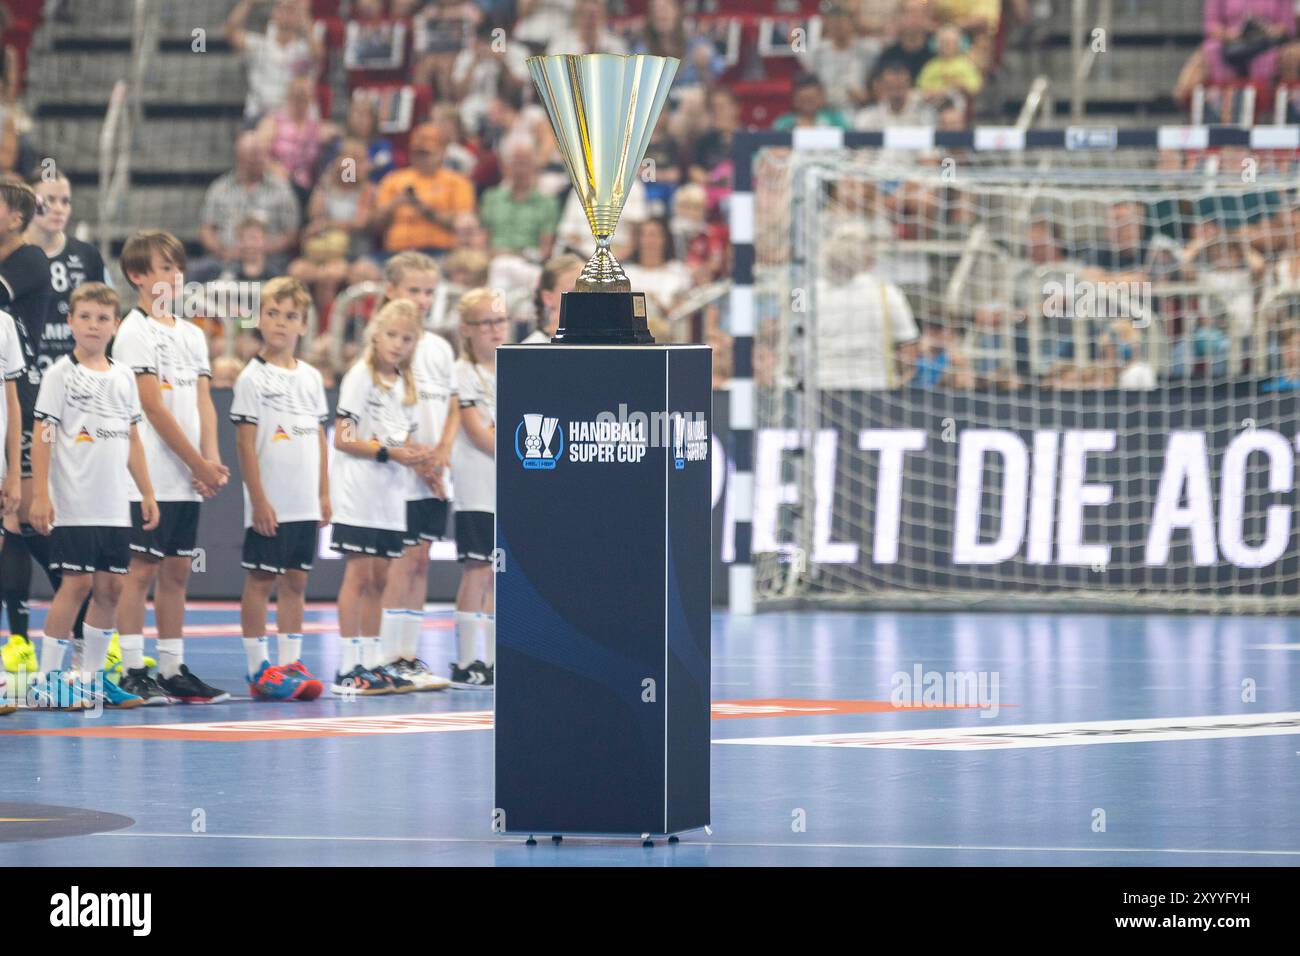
(603,108)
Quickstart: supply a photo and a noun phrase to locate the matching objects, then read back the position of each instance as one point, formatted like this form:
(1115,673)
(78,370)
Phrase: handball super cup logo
(536,451)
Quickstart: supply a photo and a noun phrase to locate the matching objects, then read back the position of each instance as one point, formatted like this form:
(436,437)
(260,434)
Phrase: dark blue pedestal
(602,694)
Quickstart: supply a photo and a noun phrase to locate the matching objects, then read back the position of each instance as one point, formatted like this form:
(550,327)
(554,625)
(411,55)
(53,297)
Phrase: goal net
(1027,379)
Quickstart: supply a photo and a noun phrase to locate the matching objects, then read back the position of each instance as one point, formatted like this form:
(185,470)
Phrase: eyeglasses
(488,323)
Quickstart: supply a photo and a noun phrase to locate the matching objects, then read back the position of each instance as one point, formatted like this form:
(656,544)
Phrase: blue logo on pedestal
(679,442)
(536,450)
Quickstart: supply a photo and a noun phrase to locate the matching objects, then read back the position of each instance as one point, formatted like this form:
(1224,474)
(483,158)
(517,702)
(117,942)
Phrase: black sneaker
(188,689)
(360,682)
(138,681)
(477,676)
(396,681)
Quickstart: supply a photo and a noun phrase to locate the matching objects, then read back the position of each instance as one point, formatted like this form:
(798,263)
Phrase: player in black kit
(25,294)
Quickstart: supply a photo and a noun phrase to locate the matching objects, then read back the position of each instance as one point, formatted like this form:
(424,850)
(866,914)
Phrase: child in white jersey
(375,455)
(87,455)
(169,357)
(280,414)
(483,326)
(414,276)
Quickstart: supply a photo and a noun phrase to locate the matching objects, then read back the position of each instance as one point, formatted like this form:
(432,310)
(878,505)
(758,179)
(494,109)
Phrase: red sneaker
(310,688)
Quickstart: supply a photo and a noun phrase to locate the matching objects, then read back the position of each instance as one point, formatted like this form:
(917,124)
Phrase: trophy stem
(602,273)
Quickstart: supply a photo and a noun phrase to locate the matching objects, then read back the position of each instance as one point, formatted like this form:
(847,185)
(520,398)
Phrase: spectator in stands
(843,59)
(1288,376)
(586,32)
(1127,255)
(478,72)
(460,157)
(441,29)
(1226,24)
(714,146)
(655,269)
(665,35)
(997,345)
(809,107)
(866,335)
(520,219)
(558,276)
(978,20)
(251,263)
(911,48)
(700,240)
(336,243)
(362,123)
(292,137)
(539,20)
(416,207)
(897,104)
(950,70)
(941,362)
(274,58)
(10,80)
(1120,358)
(250,190)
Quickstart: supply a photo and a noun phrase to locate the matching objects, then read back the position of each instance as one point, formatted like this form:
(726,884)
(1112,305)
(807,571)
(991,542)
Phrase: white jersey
(435,381)
(11,367)
(473,473)
(92,413)
(859,325)
(288,407)
(178,355)
(366,493)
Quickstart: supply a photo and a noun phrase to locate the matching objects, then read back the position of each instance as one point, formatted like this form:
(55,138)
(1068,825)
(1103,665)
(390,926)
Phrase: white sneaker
(418,673)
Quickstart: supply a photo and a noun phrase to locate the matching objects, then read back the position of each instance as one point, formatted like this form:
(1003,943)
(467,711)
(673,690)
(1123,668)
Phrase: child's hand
(441,458)
(41,516)
(11,493)
(149,512)
(326,512)
(211,474)
(264,520)
(434,480)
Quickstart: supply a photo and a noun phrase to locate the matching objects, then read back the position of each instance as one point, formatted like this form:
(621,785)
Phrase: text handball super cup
(650,433)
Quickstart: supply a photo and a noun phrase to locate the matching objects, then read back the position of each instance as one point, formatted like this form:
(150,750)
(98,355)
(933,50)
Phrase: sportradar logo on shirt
(85,436)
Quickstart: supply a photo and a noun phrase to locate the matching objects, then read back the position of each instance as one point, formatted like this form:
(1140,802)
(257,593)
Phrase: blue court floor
(1097,740)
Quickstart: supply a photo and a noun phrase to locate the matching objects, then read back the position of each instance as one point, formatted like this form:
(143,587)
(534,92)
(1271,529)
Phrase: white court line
(508,838)
(1017,736)
(1274,647)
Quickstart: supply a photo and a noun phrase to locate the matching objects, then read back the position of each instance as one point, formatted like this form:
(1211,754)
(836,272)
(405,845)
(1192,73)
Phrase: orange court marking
(239,731)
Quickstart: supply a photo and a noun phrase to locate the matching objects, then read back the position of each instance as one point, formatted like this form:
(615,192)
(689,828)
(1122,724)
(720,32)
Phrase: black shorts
(176,534)
(376,542)
(292,549)
(426,520)
(89,548)
(475,534)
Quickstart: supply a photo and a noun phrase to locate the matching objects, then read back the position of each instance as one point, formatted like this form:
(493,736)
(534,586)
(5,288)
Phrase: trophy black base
(603,318)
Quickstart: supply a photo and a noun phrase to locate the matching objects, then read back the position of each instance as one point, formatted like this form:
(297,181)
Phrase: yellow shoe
(113,662)
(19,655)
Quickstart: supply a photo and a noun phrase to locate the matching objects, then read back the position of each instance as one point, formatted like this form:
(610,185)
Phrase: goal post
(1037,377)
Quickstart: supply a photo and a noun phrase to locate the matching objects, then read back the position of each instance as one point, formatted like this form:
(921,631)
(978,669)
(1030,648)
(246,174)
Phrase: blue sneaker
(56,691)
(112,694)
(274,683)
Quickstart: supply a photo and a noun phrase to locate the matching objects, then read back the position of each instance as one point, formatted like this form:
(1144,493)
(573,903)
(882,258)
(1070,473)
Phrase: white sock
(489,639)
(95,650)
(390,635)
(171,655)
(132,651)
(52,653)
(371,651)
(290,648)
(466,627)
(412,628)
(256,649)
(349,653)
